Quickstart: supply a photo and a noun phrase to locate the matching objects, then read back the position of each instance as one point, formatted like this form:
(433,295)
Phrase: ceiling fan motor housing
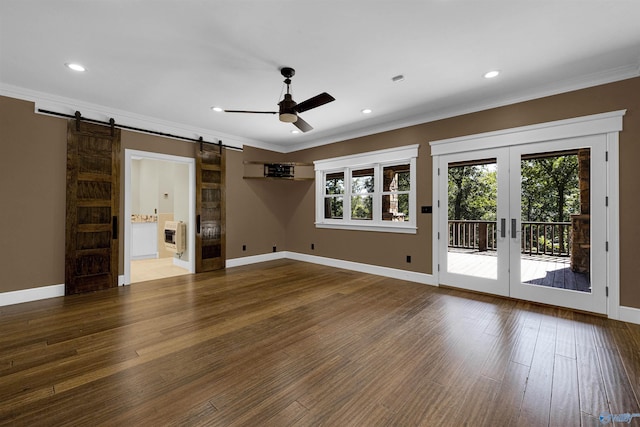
(287,72)
(287,109)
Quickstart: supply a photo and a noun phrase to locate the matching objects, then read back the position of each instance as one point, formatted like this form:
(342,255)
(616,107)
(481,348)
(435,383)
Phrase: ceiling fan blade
(314,102)
(252,112)
(302,125)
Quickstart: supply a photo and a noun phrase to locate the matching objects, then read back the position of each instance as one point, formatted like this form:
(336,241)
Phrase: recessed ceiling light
(295,131)
(366,111)
(491,74)
(217,109)
(75,67)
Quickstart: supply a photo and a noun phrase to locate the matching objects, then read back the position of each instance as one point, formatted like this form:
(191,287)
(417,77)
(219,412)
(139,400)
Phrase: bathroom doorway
(158,188)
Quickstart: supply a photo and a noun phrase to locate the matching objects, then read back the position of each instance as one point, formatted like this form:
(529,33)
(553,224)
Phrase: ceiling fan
(289,109)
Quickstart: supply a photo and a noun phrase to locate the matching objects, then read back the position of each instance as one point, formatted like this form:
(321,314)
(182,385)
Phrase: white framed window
(374,191)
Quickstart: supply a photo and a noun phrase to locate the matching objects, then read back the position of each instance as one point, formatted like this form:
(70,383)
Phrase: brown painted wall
(33,156)
(262,214)
(257,211)
(33,189)
(390,250)
(383,249)
(33,167)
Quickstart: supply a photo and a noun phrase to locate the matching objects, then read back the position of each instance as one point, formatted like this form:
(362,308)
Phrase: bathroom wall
(161,188)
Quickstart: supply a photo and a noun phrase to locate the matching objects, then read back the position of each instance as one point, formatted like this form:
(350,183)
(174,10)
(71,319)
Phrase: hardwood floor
(286,343)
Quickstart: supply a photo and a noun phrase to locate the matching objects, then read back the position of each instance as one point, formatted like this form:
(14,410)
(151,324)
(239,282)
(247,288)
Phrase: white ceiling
(168,62)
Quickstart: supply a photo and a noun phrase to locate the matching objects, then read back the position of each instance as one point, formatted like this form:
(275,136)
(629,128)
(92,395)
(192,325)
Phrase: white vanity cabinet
(144,240)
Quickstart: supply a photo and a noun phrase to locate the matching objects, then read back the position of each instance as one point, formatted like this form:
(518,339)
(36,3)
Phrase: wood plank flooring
(287,343)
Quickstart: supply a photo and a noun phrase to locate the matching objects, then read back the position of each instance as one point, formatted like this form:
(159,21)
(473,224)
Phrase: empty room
(294,213)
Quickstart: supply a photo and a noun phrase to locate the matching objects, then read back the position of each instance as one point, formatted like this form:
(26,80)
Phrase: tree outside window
(334,195)
(362,189)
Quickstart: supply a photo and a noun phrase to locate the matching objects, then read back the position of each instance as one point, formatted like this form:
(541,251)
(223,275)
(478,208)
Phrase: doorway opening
(159,192)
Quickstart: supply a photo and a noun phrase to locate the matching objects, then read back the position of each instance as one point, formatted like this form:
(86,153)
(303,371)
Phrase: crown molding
(64,105)
(554,88)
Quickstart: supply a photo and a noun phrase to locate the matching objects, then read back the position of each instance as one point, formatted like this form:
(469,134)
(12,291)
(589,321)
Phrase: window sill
(370,227)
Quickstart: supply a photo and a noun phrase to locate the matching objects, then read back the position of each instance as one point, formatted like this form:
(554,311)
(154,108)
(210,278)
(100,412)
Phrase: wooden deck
(537,270)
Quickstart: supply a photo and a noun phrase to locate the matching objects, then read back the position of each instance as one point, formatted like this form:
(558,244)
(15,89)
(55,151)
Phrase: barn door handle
(503,225)
(513,228)
(198,224)
(114,228)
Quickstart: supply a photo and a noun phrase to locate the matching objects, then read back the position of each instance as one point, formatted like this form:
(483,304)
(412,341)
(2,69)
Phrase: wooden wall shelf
(279,171)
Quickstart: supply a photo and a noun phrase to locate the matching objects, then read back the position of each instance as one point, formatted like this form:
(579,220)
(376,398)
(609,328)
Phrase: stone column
(581,223)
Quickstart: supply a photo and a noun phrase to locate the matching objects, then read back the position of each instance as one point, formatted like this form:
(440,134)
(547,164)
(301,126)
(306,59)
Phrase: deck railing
(537,238)
(470,234)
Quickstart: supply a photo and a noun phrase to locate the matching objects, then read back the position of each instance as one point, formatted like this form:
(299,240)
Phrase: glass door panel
(473,231)
(555,220)
(558,212)
(472,214)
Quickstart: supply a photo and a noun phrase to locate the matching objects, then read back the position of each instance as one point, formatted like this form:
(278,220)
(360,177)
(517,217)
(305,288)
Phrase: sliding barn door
(210,207)
(93,188)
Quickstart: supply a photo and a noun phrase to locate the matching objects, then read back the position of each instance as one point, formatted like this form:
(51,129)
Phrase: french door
(527,221)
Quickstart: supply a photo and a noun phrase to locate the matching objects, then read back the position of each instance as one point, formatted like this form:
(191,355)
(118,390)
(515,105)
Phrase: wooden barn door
(93,188)
(210,207)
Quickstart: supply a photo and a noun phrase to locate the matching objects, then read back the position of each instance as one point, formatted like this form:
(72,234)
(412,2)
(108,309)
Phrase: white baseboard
(181,263)
(394,273)
(237,262)
(33,294)
(629,314)
(146,256)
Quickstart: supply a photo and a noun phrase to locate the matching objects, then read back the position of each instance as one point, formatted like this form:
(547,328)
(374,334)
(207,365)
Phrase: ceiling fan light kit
(288,117)
(288,109)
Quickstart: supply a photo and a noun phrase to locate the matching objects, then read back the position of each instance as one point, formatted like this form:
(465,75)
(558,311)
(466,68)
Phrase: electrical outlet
(313,246)
(244,248)
(274,249)
(409,258)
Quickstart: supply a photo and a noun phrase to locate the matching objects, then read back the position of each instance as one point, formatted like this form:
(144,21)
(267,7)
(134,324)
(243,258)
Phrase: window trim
(376,160)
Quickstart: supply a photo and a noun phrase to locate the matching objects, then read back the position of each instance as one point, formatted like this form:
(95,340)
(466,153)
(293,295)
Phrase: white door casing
(601,130)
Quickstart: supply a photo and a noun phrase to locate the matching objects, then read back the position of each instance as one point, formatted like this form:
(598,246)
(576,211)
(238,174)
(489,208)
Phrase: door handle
(513,228)
(503,226)
(114,228)
(198,224)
